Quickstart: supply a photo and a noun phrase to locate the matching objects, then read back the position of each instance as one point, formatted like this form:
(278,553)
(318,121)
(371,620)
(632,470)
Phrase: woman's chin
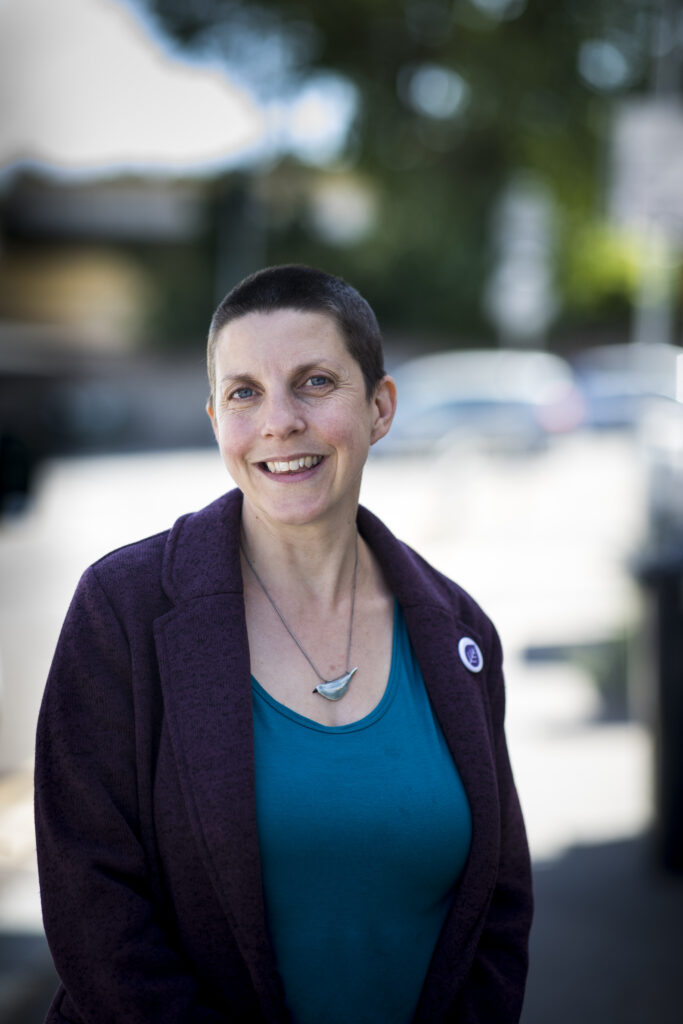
(290,509)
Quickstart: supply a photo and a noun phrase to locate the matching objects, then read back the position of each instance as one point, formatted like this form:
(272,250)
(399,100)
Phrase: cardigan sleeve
(114,957)
(494,987)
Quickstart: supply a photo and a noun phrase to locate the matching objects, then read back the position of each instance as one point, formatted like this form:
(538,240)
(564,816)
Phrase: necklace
(330,689)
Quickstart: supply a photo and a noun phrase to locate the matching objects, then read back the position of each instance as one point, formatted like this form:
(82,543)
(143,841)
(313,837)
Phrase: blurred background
(503,180)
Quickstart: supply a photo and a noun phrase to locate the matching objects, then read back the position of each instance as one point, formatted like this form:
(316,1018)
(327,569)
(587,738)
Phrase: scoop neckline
(373,716)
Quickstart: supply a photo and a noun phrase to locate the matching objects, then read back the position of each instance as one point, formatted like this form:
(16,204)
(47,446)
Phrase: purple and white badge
(470,654)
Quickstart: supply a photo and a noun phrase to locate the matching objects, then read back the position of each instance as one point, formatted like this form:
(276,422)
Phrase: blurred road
(542,542)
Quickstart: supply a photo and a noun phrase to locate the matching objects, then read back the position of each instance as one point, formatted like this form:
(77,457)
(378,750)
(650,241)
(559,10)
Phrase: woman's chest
(284,671)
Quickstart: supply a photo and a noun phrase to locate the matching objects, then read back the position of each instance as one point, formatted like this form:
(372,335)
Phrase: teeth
(305,462)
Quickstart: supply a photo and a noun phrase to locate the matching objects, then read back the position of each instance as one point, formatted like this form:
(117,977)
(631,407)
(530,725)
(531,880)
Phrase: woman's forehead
(280,334)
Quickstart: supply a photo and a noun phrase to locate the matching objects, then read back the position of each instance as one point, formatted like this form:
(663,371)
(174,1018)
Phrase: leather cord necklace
(330,689)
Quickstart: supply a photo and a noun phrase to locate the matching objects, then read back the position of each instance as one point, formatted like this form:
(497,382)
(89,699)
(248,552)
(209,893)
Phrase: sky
(87,86)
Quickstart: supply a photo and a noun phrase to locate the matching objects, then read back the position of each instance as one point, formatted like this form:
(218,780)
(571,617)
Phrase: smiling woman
(272,782)
(291,409)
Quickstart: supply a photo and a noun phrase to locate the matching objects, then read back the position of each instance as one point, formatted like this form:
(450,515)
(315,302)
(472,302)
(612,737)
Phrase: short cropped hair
(294,286)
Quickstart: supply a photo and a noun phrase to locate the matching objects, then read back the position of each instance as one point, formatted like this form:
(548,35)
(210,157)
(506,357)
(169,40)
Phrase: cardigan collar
(202,557)
(203,657)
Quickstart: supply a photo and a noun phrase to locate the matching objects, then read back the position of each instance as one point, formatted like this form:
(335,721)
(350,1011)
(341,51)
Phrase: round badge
(470,654)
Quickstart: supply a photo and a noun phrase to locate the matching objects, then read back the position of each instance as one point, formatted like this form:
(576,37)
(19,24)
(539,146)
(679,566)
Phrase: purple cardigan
(145,806)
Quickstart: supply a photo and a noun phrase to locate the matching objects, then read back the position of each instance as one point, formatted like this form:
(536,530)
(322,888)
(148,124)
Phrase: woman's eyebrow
(296,371)
(237,375)
(314,364)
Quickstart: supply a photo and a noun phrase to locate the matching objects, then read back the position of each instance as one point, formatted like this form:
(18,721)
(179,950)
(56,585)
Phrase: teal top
(364,830)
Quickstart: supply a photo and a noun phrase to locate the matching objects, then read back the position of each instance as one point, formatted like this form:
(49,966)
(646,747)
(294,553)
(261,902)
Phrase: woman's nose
(281,416)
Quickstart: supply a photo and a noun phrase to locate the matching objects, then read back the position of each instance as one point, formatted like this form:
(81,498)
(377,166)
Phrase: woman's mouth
(293,465)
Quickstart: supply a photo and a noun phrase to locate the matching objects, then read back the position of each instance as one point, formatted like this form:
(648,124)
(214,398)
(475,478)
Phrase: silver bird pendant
(334,689)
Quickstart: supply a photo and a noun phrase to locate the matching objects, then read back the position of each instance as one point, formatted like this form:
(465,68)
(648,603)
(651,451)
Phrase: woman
(272,781)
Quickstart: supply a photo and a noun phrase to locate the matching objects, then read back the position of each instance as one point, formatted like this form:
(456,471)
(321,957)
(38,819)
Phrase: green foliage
(435,179)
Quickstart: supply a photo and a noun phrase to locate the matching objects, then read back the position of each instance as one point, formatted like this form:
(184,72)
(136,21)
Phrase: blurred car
(618,380)
(504,400)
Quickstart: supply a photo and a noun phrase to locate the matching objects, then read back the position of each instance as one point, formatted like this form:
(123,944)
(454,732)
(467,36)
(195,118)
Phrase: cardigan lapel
(458,699)
(204,666)
(203,655)
(459,706)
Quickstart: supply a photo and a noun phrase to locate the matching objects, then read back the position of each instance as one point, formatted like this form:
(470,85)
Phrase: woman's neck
(317,559)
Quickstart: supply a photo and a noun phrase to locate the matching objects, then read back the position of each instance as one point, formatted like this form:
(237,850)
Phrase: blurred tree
(453,98)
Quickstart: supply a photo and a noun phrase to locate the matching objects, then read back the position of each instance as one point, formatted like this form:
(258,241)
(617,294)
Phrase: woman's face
(291,415)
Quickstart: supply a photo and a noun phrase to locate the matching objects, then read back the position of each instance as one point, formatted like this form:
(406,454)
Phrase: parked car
(504,400)
(618,380)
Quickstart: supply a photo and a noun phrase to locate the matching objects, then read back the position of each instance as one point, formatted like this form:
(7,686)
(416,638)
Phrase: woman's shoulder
(414,580)
(142,553)
(129,575)
(148,565)
(450,594)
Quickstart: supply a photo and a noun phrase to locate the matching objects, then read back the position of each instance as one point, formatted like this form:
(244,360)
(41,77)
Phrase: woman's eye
(242,393)
(318,380)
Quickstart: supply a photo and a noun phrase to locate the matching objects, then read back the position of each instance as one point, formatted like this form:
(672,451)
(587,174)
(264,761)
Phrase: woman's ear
(211,413)
(384,405)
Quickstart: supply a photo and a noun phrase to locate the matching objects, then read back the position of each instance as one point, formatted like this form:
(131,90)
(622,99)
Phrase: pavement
(607,941)
(543,545)
(27,975)
(28,979)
